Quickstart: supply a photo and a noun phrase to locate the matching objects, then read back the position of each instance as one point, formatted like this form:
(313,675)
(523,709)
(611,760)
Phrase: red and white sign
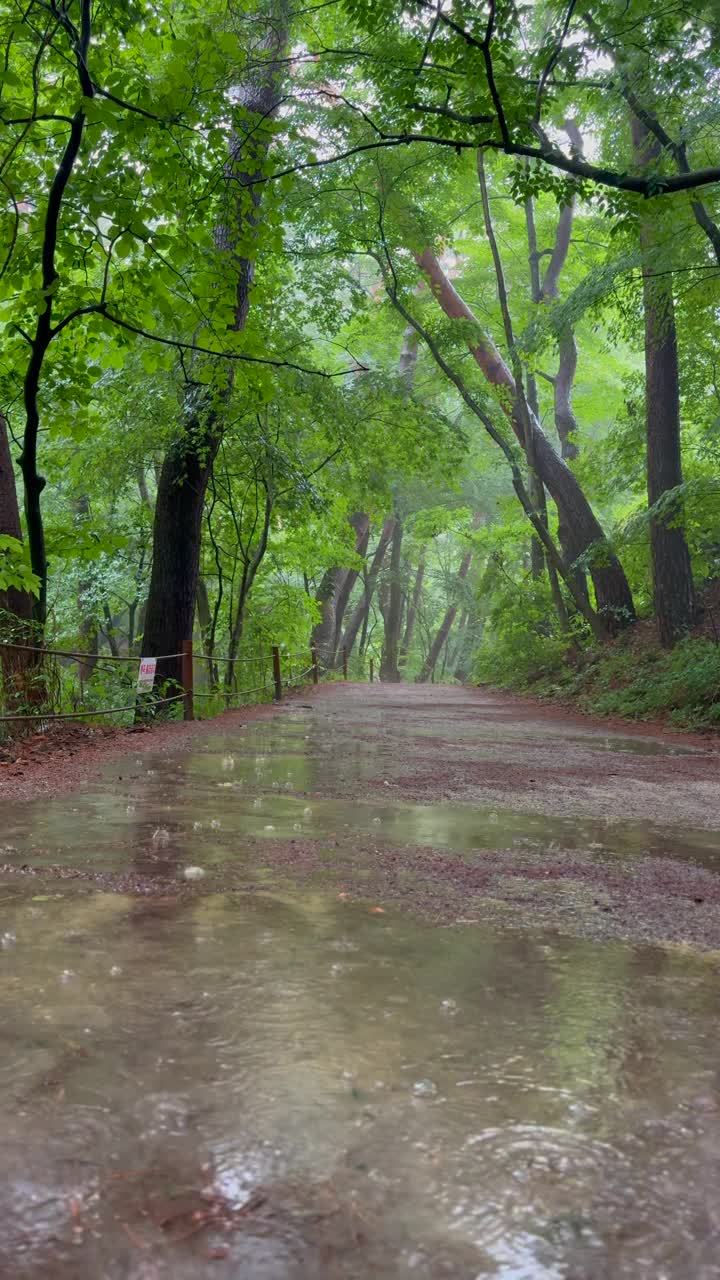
(146,675)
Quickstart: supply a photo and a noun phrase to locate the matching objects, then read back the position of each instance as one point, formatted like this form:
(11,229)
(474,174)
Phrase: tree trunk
(412,610)
(15,606)
(363,604)
(672,572)
(389,669)
(251,564)
(170,610)
(614,600)
(188,463)
(88,628)
(458,663)
(535,485)
(204,617)
(428,667)
(334,593)
(360,522)
(565,420)
(563,382)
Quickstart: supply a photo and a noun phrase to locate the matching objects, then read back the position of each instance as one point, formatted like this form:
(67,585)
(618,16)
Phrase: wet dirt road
(440,998)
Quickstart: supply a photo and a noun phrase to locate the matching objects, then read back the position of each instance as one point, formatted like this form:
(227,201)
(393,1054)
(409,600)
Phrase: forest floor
(451,802)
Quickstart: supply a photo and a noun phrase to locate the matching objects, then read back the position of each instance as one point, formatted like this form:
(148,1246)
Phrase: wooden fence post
(277,674)
(314,660)
(187,680)
(344,662)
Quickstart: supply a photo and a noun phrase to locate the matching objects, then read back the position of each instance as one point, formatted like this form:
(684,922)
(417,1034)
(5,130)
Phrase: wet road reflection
(286,1084)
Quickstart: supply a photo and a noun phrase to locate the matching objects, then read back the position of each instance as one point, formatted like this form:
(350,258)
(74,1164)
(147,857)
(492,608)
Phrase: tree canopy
(365,323)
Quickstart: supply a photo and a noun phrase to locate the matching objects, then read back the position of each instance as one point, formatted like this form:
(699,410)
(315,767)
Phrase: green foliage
(640,681)
(520,639)
(15,572)
(317,422)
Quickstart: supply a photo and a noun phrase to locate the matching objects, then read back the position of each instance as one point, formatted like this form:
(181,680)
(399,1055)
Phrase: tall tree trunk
(412,610)
(88,626)
(188,463)
(251,564)
(170,608)
(535,485)
(565,420)
(562,383)
(457,664)
(363,604)
(389,668)
(361,524)
(15,606)
(334,593)
(614,599)
(672,572)
(204,617)
(45,330)
(428,667)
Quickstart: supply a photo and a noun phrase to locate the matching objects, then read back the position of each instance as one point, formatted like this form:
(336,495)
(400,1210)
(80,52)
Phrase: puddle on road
(207,806)
(412,1101)
(386,1099)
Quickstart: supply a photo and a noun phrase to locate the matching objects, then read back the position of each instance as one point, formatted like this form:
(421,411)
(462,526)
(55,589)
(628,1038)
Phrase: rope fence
(145,700)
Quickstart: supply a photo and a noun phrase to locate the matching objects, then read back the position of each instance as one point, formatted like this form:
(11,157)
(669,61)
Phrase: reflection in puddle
(287,1085)
(411,1101)
(206,810)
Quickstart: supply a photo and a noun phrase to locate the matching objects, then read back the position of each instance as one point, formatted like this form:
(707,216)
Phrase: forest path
(436,999)
(427,795)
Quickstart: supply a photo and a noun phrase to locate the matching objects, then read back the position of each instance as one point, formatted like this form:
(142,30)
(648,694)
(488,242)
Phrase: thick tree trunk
(614,599)
(15,606)
(389,661)
(170,611)
(672,572)
(188,463)
(363,605)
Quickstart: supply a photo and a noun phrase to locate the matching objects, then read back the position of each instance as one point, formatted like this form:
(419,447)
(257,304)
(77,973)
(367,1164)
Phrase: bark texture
(672,572)
(16,607)
(16,603)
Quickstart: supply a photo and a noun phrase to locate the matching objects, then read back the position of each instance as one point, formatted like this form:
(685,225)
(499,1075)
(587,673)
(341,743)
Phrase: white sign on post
(146,675)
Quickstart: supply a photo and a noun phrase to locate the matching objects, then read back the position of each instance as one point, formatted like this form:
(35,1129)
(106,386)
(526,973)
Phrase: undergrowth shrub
(641,681)
(683,683)
(521,639)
